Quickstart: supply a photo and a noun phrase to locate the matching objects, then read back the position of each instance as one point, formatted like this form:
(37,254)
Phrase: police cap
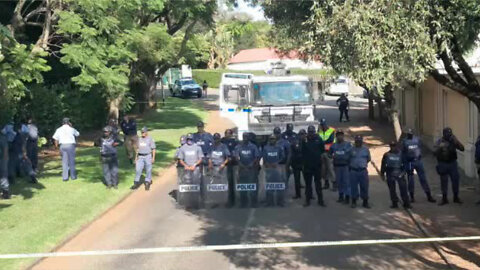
(277,131)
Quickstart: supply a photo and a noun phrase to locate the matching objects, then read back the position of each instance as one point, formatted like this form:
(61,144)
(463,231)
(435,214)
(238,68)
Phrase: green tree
(385,44)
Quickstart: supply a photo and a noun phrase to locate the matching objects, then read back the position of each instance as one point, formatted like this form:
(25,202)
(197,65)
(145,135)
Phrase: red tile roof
(260,54)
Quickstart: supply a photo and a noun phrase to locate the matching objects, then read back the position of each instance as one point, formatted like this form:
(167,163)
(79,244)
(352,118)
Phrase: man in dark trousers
(231,142)
(412,157)
(446,152)
(393,168)
(477,158)
(312,151)
(108,152)
(129,128)
(343,106)
(205,141)
(340,152)
(205,88)
(297,161)
(248,157)
(359,159)
(272,155)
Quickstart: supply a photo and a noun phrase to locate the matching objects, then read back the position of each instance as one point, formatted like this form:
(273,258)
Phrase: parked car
(186,87)
(338,87)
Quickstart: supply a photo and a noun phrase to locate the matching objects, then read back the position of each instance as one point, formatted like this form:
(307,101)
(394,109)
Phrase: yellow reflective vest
(325,135)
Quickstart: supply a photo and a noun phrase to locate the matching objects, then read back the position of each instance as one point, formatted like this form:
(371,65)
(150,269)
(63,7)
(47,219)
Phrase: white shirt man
(65,137)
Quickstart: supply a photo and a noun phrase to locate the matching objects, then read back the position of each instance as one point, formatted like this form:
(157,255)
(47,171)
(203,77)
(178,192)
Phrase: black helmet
(311,129)
(289,127)
(277,131)
(302,132)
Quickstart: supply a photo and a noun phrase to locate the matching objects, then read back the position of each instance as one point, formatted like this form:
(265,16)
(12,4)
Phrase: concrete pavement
(152,219)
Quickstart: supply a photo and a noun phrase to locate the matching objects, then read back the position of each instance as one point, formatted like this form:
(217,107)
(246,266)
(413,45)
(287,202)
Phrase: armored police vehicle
(259,103)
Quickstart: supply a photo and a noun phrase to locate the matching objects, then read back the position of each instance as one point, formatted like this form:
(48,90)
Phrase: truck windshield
(187,82)
(281,93)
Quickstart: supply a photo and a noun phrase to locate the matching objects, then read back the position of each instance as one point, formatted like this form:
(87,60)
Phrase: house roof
(259,55)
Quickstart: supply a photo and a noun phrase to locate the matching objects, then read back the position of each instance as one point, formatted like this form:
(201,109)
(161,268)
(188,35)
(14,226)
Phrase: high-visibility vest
(325,135)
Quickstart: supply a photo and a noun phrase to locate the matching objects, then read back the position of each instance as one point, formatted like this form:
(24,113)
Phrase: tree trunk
(371,108)
(397,128)
(114,108)
(393,113)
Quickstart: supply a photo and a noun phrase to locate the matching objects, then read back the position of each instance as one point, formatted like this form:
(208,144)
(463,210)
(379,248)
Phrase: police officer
(230,141)
(32,143)
(446,152)
(273,154)
(393,168)
(297,161)
(477,158)
(412,155)
(190,155)
(204,140)
(9,132)
(115,131)
(248,156)
(343,106)
(285,144)
(108,153)
(144,159)
(219,155)
(327,134)
(129,129)
(312,150)
(19,162)
(340,152)
(359,159)
(65,138)
(289,134)
(4,185)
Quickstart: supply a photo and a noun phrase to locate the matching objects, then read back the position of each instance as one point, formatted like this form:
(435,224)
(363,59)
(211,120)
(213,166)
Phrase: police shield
(215,187)
(275,185)
(246,186)
(189,183)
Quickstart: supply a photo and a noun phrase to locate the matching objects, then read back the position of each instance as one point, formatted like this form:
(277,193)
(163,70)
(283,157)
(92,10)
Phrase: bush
(48,105)
(214,76)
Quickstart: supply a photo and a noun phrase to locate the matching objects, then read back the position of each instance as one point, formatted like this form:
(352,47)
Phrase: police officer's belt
(144,154)
(357,169)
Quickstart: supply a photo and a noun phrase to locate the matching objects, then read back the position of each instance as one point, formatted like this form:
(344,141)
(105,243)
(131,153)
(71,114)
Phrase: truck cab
(258,104)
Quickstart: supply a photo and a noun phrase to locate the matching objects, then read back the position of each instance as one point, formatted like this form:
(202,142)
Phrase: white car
(340,86)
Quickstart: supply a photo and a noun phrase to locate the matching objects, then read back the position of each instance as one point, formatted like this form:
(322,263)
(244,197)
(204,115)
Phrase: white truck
(258,104)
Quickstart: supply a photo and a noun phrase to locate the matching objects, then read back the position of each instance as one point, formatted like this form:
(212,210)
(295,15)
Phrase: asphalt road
(152,219)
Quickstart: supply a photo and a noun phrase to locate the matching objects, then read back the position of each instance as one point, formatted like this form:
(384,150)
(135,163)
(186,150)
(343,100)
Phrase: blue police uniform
(108,153)
(205,141)
(146,146)
(312,151)
(447,166)
(4,185)
(247,155)
(272,156)
(393,167)
(19,164)
(359,158)
(231,143)
(341,160)
(412,156)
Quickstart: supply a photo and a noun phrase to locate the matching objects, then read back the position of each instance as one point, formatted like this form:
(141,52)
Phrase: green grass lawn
(40,216)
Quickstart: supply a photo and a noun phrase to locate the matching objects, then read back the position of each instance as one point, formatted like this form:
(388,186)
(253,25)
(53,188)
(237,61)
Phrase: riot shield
(189,183)
(275,185)
(215,186)
(246,186)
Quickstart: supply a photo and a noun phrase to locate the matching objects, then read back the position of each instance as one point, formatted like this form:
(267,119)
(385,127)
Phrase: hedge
(214,76)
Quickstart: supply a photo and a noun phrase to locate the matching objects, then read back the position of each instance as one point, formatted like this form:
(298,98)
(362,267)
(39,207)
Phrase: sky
(255,12)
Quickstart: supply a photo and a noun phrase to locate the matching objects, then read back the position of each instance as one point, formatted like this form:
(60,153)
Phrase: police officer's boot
(365,204)
(430,198)
(444,200)
(354,203)
(347,200)
(394,205)
(456,199)
(6,194)
(327,185)
(321,203)
(340,198)
(307,203)
(412,198)
(147,185)
(407,205)
(135,185)
(33,179)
